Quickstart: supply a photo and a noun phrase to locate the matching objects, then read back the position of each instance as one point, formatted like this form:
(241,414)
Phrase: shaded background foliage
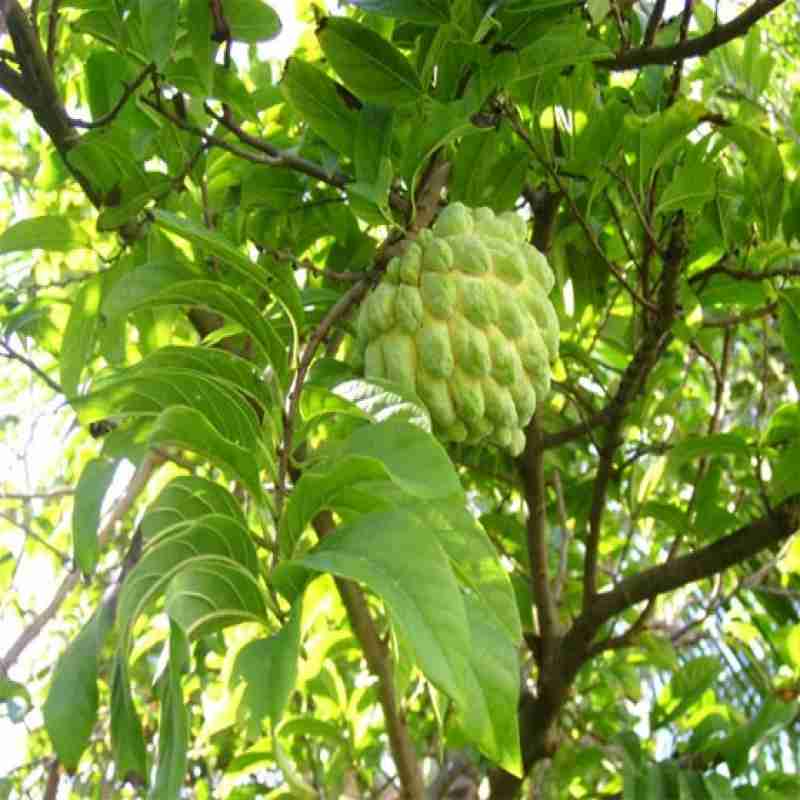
(233,568)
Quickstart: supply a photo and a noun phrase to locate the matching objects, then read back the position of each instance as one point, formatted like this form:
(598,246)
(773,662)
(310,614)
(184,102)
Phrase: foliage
(234,567)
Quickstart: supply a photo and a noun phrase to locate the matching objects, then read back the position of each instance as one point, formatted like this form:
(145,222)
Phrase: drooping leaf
(70,711)
(89,493)
(159,24)
(421,593)
(79,335)
(268,667)
(54,233)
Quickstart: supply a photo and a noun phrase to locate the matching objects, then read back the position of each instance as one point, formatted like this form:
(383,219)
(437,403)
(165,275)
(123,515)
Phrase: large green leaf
(490,718)
(186,498)
(416,462)
(421,593)
(188,428)
(211,593)
(369,65)
(173,729)
(159,24)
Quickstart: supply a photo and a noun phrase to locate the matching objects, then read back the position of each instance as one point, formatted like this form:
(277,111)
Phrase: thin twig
(13,355)
(118,510)
(653,23)
(518,128)
(128,92)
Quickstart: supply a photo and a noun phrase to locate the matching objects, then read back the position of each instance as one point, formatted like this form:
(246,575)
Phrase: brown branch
(110,116)
(121,507)
(52,30)
(742,274)
(653,23)
(748,541)
(516,124)
(53,780)
(34,87)
(738,319)
(379,661)
(278,157)
(722,34)
(677,70)
(31,496)
(632,382)
(339,310)
(532,469)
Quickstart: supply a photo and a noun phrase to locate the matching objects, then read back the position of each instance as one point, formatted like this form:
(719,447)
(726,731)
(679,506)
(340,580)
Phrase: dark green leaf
(70,711)
(369,65)
(92,487)
(200,25)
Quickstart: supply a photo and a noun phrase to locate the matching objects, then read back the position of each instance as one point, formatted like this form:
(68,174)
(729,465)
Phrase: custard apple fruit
(463,319)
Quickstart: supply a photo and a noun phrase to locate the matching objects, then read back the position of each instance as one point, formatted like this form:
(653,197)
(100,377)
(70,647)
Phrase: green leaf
(159,25)
(268,667)
(414,459)
(200,26)
(211,593)
(231,304)
(789,303)
(173,728)
(424,12)
(188,498)
(764,173)
(716,444)
(784,425)
(70,710)
(323,487)
(188,428)
(685,689)
(563,45)
(79,335)
(127,737)
(252,21)
(773,716)
(421,593)
(315,97)
(490,717)
(662,133)
(57,234)
(369,65)
(134,288)
(89,493)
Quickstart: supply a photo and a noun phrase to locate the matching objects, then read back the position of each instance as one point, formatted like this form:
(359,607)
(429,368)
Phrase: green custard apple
(463,319)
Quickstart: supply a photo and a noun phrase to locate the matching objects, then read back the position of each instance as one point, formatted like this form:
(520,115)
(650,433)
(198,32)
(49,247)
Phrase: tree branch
(532,468)
(379,661)
(632,382)
(121,507)
(722,34)
(748,541)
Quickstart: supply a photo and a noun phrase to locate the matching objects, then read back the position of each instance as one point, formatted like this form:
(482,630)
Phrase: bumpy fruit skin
(463,319)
